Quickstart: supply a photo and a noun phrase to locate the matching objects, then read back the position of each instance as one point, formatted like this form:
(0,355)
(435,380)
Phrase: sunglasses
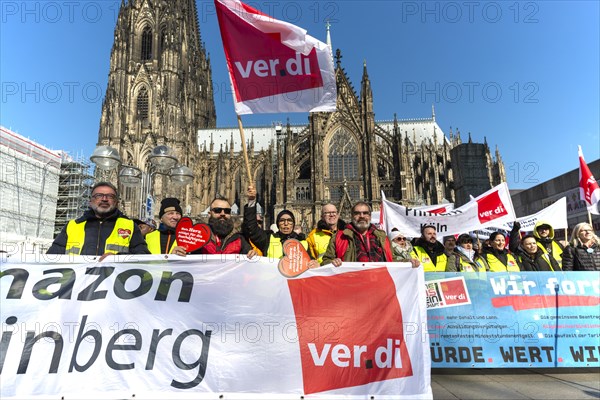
(400,239)
(219,210)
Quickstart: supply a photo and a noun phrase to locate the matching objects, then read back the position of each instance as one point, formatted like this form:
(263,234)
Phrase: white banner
(205,326)
(493,207)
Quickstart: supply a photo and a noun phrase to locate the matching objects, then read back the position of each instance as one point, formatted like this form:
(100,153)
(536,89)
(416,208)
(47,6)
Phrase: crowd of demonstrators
(162,240)
(583,252)
(103,229)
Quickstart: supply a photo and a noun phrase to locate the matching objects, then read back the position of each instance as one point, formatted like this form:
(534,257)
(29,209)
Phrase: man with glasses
(268,242)
(318,239)
(224,239)
(102,230)
(162,240)
(360,241)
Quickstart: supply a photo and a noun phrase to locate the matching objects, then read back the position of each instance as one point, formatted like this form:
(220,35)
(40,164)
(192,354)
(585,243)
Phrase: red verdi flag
(589,191)
(274,66)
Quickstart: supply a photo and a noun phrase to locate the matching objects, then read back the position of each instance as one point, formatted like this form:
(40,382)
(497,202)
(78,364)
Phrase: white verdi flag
(274,66)
(555,215)
(492,208)
(204,326)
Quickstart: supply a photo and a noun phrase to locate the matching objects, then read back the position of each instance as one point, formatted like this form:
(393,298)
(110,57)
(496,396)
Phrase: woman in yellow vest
(464,258)
(268,242)
(498,258)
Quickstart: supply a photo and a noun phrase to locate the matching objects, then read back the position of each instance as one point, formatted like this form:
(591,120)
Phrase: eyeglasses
(286,221)
(99,196)
(219,210)
(361,212)
(400,239)
(330,213)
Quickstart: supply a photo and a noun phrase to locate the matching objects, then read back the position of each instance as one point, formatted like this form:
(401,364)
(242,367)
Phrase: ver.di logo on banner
(337,348)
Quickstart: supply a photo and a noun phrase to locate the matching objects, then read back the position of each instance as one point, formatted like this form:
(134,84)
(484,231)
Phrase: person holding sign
(102,230)
(162,240)
(268,242)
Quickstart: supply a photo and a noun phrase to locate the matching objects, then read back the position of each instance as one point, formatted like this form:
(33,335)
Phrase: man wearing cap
(268,242)
(429,251)
(162,240)
(102,230)
(146,226)
(544,235)
(224,239)
(359,241)
(318,239)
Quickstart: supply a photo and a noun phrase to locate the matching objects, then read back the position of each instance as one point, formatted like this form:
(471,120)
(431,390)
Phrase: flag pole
(590,217)
(243,138)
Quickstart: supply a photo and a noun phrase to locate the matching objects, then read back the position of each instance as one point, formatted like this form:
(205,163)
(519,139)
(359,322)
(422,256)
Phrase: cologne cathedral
(159,92)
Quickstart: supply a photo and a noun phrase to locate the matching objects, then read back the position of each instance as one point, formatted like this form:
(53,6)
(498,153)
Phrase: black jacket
(96,232)
(262,238)
(540,261)
(579,259)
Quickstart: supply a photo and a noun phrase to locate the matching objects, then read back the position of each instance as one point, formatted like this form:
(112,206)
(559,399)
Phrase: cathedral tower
(159,92)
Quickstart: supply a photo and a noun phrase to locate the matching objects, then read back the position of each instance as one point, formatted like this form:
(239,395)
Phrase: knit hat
(169,204)
(286,212)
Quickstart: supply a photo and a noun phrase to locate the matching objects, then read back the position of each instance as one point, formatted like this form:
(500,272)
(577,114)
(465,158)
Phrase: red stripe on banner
(530,302)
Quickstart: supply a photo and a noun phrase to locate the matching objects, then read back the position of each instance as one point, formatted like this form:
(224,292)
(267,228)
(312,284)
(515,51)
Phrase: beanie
(169,204)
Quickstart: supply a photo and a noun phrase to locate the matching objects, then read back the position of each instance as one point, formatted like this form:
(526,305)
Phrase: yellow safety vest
(275,249)
(467,267)
(114,244)
(318,241)
(556,252)
(497,266)
(427,263)
(153,242)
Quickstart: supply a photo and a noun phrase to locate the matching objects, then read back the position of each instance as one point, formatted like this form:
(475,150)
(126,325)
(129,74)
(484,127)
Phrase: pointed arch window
(142,105)
(146,44)
(343,157)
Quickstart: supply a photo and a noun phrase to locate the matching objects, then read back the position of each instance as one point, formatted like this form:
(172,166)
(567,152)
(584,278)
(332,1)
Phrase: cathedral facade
(160,93)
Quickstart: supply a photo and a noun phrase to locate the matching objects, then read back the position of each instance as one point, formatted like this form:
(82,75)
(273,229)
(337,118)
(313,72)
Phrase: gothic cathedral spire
(159,92)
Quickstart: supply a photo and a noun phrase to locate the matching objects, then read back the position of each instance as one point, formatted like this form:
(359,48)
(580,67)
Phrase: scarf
(368,248)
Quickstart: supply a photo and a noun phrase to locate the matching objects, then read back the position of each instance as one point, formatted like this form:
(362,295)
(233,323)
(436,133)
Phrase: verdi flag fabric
(274,66)
(589,191)
(492,208)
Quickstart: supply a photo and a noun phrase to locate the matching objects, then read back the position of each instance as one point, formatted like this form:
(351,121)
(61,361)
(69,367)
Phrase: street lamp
(162,161)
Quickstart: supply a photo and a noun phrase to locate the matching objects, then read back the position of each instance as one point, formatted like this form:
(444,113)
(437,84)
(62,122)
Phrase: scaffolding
(28,187)
(74,184)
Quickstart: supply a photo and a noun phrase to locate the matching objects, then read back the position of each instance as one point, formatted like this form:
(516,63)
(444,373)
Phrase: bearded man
(224,239)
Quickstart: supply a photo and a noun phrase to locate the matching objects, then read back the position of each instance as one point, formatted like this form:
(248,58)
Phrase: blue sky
(525,75)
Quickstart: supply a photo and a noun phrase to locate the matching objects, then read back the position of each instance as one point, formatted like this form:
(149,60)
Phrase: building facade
(160,92)
(29,176)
